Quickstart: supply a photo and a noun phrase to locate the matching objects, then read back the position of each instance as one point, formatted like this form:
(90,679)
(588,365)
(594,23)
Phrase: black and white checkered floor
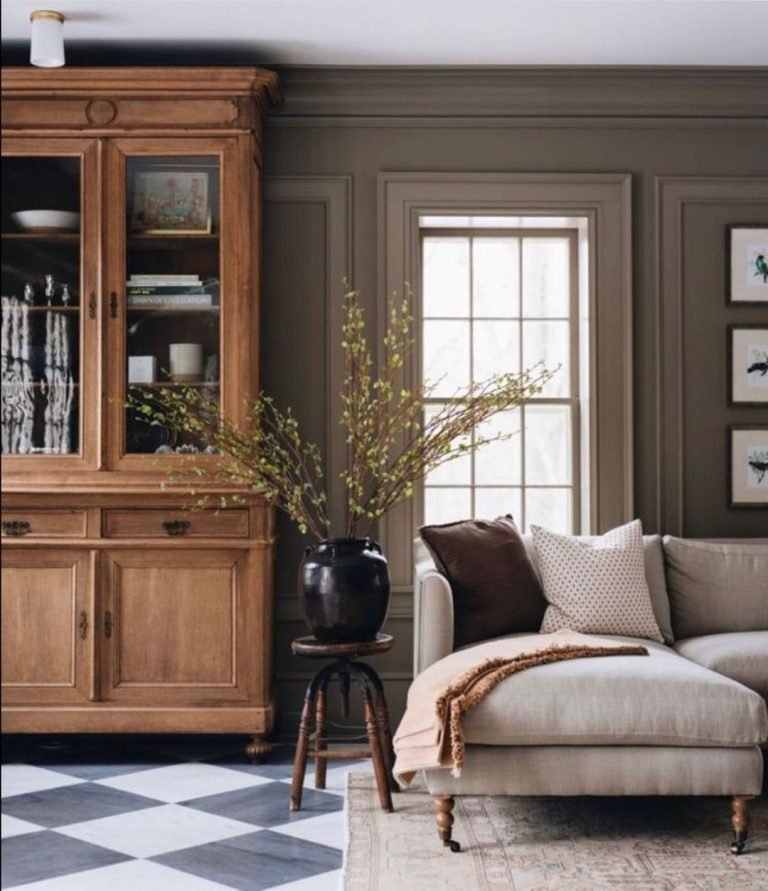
(164,814)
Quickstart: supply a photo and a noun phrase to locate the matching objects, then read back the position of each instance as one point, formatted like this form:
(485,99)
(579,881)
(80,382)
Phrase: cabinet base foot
(258,749)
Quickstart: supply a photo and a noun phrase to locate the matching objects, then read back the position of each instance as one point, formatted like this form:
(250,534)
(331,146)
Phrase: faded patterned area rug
(550,844)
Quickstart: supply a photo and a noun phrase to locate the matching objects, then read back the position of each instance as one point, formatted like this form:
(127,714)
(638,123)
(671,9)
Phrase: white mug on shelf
(186,362)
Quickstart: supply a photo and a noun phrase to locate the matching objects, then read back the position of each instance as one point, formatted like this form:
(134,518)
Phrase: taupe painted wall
(664,130)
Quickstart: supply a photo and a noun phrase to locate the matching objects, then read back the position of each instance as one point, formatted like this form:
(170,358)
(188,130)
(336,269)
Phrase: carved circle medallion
(101,111)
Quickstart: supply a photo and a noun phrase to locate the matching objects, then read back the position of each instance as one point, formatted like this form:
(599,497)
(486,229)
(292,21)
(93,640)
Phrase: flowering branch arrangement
(391,443)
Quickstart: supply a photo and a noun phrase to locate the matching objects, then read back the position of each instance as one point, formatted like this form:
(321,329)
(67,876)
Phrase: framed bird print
(748,465)
(747,263)
(748,365)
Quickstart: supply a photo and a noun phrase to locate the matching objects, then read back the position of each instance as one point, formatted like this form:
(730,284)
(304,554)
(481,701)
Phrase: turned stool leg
(302,744)
(740,822)
(443,812)
(374,741)
(320,729)
(382,720)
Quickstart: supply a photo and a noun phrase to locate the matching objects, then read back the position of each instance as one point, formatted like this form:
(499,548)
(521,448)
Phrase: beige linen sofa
(689,720)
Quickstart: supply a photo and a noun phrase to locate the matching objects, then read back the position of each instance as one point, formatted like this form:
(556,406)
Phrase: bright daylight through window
(499,295)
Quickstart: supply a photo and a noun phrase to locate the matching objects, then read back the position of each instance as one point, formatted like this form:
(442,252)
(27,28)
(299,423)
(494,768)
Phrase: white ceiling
(420,32)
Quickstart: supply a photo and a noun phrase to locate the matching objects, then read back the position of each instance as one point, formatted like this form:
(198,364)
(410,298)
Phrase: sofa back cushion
(716,587)
(653,555)
(495,589)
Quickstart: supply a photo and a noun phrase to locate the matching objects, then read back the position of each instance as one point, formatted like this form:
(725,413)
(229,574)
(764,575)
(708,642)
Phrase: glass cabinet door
(49,303)
(168,291)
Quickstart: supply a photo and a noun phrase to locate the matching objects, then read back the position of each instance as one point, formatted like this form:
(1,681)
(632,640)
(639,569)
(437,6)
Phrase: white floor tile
(19,779)
(156,830)
(130,876)
(12,826)
(183,782)
(326,829)
(326,881)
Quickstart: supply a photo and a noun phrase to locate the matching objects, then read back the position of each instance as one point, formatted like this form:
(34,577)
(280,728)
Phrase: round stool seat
(314,648)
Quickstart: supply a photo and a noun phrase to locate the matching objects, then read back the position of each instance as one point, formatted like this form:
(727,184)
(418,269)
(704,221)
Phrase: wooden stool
(345,666)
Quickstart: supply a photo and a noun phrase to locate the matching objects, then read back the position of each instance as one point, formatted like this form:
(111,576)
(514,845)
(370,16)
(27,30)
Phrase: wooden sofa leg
(740,822)
(443,806)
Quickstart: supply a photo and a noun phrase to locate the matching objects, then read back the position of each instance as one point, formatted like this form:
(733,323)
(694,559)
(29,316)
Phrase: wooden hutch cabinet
(130,219)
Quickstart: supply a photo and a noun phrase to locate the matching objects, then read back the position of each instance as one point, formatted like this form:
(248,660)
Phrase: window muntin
(496,300)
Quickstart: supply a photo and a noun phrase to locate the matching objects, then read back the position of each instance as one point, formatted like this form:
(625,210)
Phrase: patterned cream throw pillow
(596,587)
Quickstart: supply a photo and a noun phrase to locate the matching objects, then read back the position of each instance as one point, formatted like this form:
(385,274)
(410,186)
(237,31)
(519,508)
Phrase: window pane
(456,472)
(500,462)
(550,508)
(446,356)
(41,305)
(547,445)
(549,342)
(492,503)
(447,505)
(546,277)
(446,277)
(496,348)
(496,277)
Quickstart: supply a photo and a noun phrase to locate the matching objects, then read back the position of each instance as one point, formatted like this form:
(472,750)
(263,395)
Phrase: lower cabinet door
(173,626)
(47,626)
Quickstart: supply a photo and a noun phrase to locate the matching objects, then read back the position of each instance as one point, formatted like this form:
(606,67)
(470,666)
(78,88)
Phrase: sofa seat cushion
(740,655)
(662,699)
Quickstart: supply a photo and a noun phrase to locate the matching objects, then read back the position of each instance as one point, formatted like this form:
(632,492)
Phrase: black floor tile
(256,861)
(45,855)
(267,805)
(73,804)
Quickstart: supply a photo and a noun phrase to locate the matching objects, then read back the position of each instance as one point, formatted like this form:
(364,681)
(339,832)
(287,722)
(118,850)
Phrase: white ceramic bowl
(47,220)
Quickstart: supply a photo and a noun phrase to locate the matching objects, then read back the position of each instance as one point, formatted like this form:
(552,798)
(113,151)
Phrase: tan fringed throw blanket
(430,734)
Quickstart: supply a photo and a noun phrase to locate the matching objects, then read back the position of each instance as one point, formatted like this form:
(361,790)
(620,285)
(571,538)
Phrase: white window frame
(579,443)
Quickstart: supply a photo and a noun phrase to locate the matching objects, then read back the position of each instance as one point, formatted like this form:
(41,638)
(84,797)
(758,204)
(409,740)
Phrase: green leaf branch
(392,442)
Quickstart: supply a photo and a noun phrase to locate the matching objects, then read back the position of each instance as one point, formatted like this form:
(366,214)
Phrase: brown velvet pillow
(495,588)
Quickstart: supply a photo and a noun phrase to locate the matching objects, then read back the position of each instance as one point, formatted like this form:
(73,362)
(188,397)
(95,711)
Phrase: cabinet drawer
(44,524)
(175,524)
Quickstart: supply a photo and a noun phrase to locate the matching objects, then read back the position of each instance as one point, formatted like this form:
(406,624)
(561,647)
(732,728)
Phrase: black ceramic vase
(345,586)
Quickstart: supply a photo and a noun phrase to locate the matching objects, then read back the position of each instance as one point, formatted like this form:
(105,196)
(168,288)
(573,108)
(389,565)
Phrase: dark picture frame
(742,240)
(737,448)
(734,352)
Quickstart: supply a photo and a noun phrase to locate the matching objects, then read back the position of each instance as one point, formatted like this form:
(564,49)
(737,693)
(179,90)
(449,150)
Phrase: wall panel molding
(334,195)
(673,195)
(524,91)
(605,200)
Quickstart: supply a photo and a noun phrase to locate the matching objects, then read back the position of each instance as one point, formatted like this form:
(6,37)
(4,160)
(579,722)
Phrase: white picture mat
(748,484)
(749,349)
(747,284)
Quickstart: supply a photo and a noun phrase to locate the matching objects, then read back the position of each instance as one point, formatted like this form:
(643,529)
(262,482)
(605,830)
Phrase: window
(499,295)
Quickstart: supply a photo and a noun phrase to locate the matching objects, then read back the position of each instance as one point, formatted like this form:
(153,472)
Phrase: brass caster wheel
(258,750)
(737,847)
(453,845)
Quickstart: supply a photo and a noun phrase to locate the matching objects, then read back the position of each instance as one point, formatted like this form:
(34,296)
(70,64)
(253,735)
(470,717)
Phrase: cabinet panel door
(180,282)
(50,306)
(47,616)
(172,621)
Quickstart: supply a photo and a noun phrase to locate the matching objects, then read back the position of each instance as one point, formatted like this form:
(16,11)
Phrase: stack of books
(168,290)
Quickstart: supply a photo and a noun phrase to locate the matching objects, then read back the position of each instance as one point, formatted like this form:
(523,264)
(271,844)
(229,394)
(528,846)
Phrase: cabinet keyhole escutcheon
(107,624)
(83,625)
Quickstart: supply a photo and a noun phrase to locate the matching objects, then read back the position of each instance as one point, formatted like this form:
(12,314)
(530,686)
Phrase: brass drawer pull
(15,527)
(176,527)
(107,624)
(83,625)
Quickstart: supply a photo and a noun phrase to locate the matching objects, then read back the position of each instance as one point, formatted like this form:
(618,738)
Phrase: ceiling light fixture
(47,45)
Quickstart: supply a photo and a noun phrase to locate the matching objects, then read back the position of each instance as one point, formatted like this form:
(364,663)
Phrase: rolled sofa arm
(433,616)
